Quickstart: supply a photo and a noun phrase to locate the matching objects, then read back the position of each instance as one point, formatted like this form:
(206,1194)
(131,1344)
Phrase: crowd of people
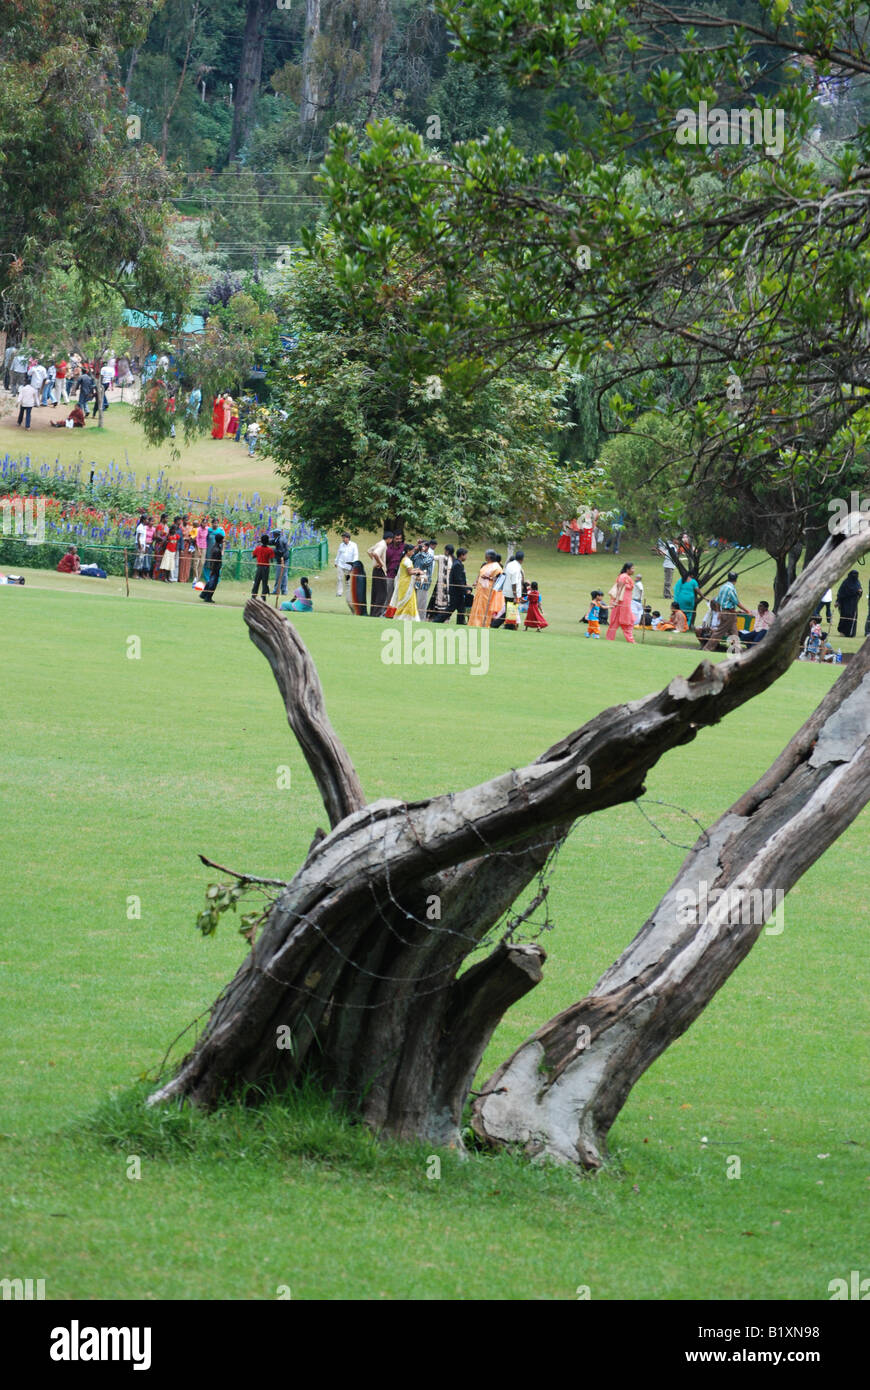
(38,384)
(230,419)
(584,534)
(416,581)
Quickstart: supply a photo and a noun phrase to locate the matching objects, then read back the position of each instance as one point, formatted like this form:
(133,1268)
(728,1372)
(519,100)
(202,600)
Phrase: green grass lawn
(117,772)
(218,462)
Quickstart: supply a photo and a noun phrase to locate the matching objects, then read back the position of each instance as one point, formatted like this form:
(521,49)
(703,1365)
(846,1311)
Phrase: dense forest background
(242,95)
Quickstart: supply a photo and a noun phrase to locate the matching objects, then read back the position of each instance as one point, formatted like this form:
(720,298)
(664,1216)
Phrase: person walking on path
(729,603)
(620,613)
(27,399)
(60,375)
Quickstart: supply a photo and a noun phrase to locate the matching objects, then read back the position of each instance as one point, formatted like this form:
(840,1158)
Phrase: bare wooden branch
(302,693)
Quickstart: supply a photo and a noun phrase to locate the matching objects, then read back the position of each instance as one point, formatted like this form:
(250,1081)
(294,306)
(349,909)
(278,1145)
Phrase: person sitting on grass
(677,622)
(75,420)
(708,632)
(70,562)
(826,651)
(763,619)
(301,601)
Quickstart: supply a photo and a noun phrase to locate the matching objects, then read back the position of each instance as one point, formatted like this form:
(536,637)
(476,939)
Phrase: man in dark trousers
(460,598)
(729,603)
(263,557)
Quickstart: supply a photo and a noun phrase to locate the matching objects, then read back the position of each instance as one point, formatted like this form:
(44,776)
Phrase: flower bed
(104,511)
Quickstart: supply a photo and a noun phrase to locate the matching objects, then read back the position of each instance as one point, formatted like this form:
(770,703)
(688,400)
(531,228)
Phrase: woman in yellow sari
(404,594)
(486,605)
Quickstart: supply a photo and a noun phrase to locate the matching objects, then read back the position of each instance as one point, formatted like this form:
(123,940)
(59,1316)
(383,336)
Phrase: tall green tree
(364,439)
(728,275)
(78,188)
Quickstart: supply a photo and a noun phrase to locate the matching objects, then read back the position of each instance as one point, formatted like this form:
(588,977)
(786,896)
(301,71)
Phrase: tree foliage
(364,439)
(76,192)
(725,281)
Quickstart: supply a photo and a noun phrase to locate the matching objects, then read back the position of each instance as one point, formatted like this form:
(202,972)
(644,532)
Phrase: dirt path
(42,415)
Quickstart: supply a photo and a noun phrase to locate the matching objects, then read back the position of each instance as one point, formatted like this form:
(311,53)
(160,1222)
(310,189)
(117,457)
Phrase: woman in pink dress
(620,609)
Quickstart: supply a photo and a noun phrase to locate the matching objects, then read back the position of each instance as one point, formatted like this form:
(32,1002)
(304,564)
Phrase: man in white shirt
(107,379)
(668,565)
(346,555)
(513,577)
(27,399)
(37,381)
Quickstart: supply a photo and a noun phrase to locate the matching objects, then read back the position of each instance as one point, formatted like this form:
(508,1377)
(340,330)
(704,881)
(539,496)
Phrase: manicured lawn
(218,462)
(117,772)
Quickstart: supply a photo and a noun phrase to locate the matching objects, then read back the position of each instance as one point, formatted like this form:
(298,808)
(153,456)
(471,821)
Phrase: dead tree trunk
(562,1089)
(355,978)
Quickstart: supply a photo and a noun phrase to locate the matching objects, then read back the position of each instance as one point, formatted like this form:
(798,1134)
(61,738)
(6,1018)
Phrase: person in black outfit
(214,570)
(460,594)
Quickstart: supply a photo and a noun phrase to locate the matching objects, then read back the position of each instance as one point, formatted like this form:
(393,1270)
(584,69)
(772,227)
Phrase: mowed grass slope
(117,772)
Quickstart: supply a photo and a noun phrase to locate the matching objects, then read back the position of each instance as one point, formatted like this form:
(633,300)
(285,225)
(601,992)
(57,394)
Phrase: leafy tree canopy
(76,191)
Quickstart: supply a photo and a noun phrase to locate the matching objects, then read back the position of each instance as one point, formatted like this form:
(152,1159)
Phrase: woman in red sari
(217,418)
(620,611)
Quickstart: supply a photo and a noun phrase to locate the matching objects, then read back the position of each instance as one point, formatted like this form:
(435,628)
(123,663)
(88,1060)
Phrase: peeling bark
(562,1089)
